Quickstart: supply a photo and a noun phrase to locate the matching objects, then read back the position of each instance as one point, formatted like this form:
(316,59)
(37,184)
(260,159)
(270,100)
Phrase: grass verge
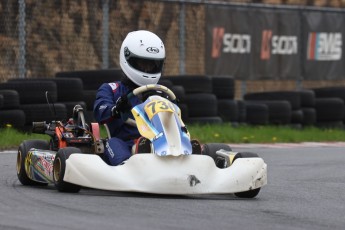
(222,133)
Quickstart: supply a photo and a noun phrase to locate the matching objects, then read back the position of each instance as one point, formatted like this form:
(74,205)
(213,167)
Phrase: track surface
(306,190)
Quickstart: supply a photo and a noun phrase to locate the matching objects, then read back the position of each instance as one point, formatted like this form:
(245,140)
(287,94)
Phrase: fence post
(22,39)
(182,38)
(105,34)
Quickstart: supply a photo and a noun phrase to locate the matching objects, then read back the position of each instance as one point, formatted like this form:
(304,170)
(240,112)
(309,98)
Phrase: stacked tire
(228,108)
(10,112)
(201,102)
(329,106)
(284,107)
(308,107)
(69,91)
(92,80)
(33,96)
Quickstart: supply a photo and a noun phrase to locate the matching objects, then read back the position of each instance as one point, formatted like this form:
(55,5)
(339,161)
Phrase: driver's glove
(121,105)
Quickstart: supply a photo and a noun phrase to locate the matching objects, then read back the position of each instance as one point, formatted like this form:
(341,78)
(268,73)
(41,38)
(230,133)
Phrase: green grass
(223,133)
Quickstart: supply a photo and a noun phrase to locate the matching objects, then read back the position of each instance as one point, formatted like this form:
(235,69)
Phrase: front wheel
(251,193)
(59,168)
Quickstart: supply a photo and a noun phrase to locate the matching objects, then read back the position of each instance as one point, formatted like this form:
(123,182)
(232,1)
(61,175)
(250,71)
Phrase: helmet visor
(152,66)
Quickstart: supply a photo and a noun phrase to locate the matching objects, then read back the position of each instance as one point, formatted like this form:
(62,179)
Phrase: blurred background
(262,44)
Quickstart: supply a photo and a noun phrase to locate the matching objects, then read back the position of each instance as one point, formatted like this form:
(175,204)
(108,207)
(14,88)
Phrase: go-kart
(73,157)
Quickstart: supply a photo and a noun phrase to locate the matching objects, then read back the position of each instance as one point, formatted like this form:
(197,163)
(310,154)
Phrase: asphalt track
(306,190)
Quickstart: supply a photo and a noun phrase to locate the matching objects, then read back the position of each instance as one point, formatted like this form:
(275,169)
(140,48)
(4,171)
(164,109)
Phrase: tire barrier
(228,110)
(279,112)
(93,79)
(43,112)
(256,113)
(14,117)
(307,98)
(293,97)
(32,92)
(179,92)
(202,105)
(68,89)
(202,99)
(192,83)
(1,101)
(11,99)
(89,98)
(223,87)
(326,92)
(309,116)
(329,109)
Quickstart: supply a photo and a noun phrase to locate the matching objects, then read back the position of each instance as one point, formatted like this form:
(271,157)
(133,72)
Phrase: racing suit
(118,147)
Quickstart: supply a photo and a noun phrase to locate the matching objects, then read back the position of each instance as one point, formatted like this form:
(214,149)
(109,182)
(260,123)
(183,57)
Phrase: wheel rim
(19,162)
(57,169)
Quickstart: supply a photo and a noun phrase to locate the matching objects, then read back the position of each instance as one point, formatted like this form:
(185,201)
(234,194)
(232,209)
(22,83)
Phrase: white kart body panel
(148,173)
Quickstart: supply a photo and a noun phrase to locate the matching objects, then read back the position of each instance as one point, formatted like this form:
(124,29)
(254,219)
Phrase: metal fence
(40,38)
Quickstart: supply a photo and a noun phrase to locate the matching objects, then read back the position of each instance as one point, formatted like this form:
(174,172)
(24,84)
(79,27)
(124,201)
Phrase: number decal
(157,106)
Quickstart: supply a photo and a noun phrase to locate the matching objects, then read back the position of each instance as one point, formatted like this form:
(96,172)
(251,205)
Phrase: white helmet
(142,57)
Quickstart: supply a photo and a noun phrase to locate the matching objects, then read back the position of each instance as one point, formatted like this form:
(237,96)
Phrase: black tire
(309,116)
(205,120)
(279,112)
(1,101)
(329,109)
(223,87)
(297,116)
(251,193)
(11,99)
(184,112)
(228,110)
(256,114)
(68,89)
(41,112)
(33,92)
(23,149)
(89,98)
(293,97)
(210,149)
(179,92)
(202,105)
(14,117)
(93,79)
(327,92)
(307,98)
(167,83)
(192,83)
(59,167)
(242,113)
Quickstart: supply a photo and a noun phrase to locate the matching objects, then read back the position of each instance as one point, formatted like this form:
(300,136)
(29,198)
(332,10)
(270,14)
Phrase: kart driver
(142,56)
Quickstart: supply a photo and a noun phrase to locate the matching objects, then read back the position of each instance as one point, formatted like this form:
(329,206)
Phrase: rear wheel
(59,168)
(251,193)
(22,160)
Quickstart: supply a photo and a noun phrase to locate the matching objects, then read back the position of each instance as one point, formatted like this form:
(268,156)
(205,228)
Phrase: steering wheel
(142,89)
